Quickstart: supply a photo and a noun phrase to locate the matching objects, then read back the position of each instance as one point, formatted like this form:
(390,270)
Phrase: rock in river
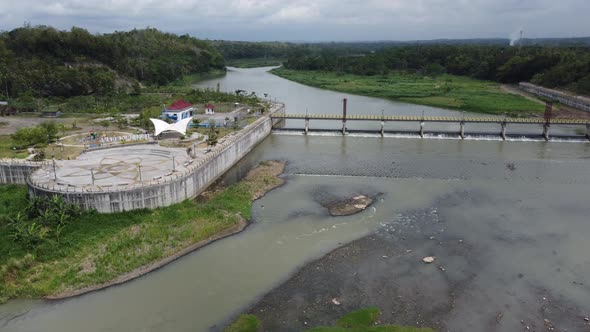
(348,206)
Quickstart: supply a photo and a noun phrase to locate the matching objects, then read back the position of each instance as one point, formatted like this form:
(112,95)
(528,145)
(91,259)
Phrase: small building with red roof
(178,110)
(209,109)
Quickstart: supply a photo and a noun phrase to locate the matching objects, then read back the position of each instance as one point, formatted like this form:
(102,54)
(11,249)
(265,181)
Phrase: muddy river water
(521,206)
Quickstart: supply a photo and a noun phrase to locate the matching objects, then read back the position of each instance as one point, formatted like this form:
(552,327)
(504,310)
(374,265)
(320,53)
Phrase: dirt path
(516,91)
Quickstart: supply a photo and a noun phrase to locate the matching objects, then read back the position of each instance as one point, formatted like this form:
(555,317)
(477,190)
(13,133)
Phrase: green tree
(212,137)
(51,129)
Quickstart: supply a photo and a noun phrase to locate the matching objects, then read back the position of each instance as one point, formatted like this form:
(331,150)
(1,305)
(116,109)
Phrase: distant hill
(43,61)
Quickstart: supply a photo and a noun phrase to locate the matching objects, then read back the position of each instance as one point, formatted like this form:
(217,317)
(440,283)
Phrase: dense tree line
(279,50)
(253,50)
(42,61)
(565,67)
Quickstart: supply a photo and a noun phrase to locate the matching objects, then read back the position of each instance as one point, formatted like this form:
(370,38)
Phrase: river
(523,207)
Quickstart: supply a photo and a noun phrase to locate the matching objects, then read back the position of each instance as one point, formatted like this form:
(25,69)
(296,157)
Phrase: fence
(578,102)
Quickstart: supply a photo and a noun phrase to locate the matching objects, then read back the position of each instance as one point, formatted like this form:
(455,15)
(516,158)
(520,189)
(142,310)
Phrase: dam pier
(503,123)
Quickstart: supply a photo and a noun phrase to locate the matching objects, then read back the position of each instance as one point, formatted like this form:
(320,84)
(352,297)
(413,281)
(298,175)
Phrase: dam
(460,122)
(506,202)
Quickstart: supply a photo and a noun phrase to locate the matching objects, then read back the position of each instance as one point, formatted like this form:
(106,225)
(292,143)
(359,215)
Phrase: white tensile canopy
(162,126)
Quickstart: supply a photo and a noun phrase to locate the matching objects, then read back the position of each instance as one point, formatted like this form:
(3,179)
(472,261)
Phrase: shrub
(40,135)
(43,219)
(27,233)
(39,155)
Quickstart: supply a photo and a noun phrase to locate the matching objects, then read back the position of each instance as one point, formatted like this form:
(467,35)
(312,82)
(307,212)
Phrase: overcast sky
(310,20)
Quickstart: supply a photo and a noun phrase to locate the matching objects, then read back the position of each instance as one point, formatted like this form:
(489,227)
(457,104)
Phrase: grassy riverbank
(446,91)
(195,78)
(97,248)
(255,62)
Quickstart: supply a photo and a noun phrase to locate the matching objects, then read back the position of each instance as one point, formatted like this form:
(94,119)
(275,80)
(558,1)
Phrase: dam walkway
(502,122)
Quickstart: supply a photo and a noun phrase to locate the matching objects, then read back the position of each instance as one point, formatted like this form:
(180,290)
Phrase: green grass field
(253,63)
(7,151)
(446,91)
(99,247)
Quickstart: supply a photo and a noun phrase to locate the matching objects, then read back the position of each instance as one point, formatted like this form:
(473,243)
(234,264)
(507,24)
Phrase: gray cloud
(310,19)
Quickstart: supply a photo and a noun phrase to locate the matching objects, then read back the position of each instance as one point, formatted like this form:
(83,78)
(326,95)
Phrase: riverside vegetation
(447,91)
(49,247)
(363,320)
(255,62)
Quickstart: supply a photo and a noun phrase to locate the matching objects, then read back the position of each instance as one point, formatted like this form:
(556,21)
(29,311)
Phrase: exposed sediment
(387,270)
(348,206)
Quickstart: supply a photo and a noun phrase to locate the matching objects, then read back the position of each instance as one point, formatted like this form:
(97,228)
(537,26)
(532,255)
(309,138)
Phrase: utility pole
(139,170)
(173,165)
(92,175)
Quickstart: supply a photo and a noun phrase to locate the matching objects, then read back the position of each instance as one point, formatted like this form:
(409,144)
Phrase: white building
(179,110)
(209,109)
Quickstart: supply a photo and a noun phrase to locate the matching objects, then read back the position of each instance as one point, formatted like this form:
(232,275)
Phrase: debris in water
(335,301)
(548,325)
(441,268)
(409,251)
(499,317)
(384,256)
(432,237)
(460,241)
(586,319)
(428,259)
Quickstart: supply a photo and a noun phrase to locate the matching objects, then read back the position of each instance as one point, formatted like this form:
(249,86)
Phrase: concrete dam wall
(16,171)
(186,184)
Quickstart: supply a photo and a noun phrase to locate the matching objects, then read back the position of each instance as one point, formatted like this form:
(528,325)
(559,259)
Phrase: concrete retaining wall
(17,171)
(196,179)
(578,102)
